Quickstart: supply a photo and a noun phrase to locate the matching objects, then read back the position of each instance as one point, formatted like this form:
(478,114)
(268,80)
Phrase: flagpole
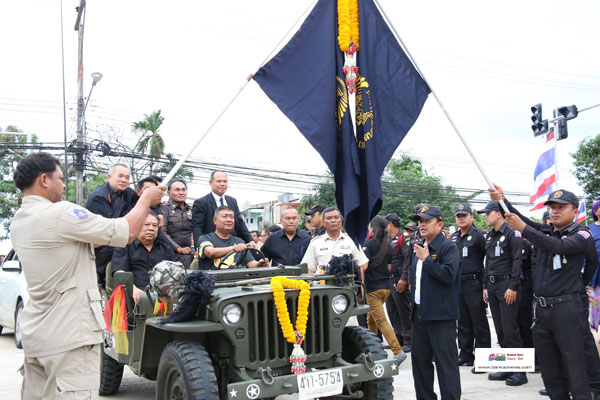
(177,166)
(460,136)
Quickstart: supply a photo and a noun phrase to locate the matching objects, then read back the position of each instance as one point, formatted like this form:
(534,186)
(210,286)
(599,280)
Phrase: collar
(437,241)
(502,228)
(567,230)
(340,237)
(34,198)
(469,232)
(217,198)
(173,205)
(137,243)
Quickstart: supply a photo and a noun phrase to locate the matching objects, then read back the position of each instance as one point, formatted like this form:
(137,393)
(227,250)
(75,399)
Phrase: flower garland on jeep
(348,39)
(295,336)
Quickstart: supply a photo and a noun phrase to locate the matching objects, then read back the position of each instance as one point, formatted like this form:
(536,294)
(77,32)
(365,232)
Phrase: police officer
(177,228)
(526,294)
(62,322)
(561,249)
(473,327)
(501,284)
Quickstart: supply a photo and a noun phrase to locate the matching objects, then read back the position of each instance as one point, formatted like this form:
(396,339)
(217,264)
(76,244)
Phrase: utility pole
(80,152)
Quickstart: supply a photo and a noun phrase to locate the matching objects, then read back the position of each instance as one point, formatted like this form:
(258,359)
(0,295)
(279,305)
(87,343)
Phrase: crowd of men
(435,286)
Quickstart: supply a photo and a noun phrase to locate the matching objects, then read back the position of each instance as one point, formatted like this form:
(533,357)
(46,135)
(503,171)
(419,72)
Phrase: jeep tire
(357,340)
(111,373)
(185,371)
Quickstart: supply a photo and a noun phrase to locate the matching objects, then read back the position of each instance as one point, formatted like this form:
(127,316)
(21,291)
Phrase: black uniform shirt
(396,258)
(177,228)
(319,231)
(281,250)
(135,258)
(471,250)
(509,244)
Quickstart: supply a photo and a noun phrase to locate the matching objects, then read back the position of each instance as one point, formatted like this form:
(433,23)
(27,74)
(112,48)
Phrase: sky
(488,62)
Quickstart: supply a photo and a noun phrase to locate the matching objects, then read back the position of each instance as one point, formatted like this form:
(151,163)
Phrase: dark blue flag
(306,81)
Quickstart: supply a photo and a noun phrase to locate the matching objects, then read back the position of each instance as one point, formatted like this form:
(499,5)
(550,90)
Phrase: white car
(13,295)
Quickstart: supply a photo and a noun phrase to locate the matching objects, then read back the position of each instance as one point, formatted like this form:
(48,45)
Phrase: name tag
(556,262)
(497,251)
(465,252)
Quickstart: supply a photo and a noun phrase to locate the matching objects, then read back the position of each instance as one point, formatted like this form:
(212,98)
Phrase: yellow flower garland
(279,283)
(347,24)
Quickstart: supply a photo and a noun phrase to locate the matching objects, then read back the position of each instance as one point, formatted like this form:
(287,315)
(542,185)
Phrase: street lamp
(96,76)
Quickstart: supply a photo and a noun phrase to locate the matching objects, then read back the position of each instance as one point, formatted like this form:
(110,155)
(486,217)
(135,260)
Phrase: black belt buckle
(542,301)
(492,279)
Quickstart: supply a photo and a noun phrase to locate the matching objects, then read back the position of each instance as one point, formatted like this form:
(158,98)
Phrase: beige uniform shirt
(54,242)
(322,248)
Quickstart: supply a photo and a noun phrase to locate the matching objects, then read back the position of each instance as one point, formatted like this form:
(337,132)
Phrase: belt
(550,301)
(470,277)
(498,278)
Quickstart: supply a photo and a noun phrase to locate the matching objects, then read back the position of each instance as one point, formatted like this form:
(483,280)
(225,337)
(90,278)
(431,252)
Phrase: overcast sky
(489,62)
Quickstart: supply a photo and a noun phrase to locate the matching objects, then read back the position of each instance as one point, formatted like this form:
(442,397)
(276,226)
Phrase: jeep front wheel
(357,340)
(111,374)
(185,372)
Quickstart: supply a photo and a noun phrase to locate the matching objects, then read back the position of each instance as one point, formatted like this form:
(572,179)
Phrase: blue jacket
(440,281)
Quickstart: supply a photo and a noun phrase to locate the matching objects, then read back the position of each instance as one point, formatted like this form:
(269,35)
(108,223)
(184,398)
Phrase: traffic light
(561,129)
(567,112)
(539,126)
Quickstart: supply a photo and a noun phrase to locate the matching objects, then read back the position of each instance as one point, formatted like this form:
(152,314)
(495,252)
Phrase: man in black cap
(314,217)
(501,284)
(435,283)
(473,327)
(562,249)
(398,303)
(546,217)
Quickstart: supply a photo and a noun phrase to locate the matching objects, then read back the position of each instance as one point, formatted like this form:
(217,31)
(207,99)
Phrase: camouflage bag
(166,279)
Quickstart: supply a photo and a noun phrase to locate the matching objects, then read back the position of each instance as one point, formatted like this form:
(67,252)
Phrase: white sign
(499,359)
(320,384)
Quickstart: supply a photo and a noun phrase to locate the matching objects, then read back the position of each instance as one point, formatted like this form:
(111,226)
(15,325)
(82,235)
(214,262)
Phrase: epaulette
(315,237)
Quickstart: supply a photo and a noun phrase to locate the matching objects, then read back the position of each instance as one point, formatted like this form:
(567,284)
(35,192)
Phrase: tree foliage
(151,142)
(587,167)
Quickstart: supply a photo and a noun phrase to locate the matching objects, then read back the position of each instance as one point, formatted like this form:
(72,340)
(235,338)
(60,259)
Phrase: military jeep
(234,347)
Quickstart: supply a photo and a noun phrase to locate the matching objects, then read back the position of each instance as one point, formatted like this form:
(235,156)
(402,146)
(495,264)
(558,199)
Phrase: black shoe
(476,372)
(543,392)
(517,379)
(499,376)
(406,348)
(462,361)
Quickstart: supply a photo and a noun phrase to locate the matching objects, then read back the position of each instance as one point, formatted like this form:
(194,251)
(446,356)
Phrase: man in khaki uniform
(62,322)
(334,242)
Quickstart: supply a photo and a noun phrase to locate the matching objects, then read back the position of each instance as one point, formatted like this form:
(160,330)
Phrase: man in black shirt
(141,255)
(501,284)
(314,217)
(286,246)
(177,228)
(473,327)
(562,247)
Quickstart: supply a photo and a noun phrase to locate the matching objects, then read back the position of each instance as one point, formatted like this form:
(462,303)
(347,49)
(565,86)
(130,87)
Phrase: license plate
(320,384)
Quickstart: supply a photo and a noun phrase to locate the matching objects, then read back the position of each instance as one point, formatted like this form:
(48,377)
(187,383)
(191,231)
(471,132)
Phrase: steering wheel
(242,258)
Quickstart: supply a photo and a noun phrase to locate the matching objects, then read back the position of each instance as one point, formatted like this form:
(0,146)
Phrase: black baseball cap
(393,217)
(463,208)
(316,208)
(411,226)
(562,197)
(428,212)
(545,215)
(491,206)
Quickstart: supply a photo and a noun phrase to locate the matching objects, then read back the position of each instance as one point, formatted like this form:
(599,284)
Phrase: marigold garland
(348,24)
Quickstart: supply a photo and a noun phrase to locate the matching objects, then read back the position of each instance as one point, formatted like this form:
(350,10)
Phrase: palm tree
(150,139)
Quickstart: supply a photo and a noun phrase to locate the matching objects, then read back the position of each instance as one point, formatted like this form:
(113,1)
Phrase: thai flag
(582,212)
(545,174)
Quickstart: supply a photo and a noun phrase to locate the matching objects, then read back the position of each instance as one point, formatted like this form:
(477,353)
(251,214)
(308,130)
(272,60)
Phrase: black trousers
(473,327)
(525,298)
(435,340)
(398,309)
(558,337)
(592,360)
(505,316)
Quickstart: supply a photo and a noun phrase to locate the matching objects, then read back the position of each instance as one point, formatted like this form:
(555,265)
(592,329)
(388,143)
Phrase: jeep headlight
(339,303)
(232,314)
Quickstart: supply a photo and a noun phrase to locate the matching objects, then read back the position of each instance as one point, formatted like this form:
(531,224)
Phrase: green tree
(151,142)
(586,161)
(166,167)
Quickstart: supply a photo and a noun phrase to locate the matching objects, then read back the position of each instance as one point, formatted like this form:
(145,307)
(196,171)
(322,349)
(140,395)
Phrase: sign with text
(504,359)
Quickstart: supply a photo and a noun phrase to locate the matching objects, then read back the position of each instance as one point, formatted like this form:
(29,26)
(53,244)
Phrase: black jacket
(203,212)
(440,281)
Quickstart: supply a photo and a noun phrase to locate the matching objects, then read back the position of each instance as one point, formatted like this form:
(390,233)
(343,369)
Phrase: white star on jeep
(233,393)
(252,391)
(394,366)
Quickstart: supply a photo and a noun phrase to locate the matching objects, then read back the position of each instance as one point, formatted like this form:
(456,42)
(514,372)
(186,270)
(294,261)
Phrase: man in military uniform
(334,242)
(501,284)
(473,327)
(62,322)
(177,227)
(314,217)
(562,247)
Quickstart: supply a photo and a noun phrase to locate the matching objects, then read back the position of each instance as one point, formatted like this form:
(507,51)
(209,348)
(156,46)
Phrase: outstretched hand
(515,222)
(496,193)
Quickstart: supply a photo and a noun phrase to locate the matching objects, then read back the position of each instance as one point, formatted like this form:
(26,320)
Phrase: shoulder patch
(518,234)
(78,212)
(583,233)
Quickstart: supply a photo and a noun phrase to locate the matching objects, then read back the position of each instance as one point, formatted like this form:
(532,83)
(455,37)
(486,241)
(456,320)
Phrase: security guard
(62,321)
(473,327)
(501,284)
(562,247)
(177,228)
(334,242)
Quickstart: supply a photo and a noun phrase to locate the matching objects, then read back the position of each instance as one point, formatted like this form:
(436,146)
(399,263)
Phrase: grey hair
(111,170)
